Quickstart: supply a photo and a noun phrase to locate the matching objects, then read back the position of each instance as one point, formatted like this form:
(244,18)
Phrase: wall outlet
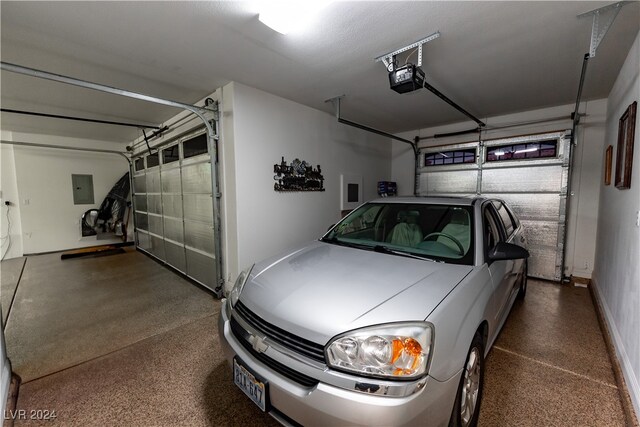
(26,202)
(637,218)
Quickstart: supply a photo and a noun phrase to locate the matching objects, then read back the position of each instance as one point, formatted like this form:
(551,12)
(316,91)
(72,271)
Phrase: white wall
(617,268)
(11,245)
(48,218)
(264,128)
(586,168)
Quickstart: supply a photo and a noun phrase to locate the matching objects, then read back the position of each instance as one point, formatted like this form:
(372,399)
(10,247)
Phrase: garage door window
(450,157)
(153,160)
(195,146)
(170,155)
(532,150)
(139,164)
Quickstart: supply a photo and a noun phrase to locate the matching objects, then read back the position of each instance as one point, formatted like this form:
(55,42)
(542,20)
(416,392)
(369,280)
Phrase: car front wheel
(467,406)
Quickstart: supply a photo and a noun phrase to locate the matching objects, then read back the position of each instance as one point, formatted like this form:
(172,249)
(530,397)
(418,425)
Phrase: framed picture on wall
(624,149)
(608,158)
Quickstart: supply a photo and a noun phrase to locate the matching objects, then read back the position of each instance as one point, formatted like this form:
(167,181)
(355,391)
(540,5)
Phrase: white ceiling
(492,58)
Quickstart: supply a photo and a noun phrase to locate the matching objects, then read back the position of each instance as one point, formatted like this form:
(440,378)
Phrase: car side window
(491,231)
(514,218)
(505,217)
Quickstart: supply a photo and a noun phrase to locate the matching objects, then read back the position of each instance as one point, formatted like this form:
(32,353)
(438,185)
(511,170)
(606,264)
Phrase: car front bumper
(328,405)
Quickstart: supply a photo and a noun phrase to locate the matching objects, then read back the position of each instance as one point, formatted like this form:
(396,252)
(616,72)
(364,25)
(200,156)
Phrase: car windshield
(431,231)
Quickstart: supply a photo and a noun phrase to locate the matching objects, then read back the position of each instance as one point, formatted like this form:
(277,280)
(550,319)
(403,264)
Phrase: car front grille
(283,370)
(293,342)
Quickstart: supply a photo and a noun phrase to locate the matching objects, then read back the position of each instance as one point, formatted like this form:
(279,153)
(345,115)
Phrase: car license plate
(253,387)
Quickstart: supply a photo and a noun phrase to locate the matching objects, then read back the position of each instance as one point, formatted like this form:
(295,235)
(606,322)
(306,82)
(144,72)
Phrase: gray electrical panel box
(82,189)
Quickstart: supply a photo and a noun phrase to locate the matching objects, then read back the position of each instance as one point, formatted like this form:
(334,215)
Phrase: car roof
(436,200)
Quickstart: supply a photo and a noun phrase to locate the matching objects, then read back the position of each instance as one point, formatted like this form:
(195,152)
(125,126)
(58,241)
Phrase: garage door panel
(140,202)
(450,182)
(198,207)
(155,225)
(175,256)
(174,213)
(541,233)
(140,184)
(543,262)
(174,229)
(543,207)
(199,236)
(154,203)
(172,205)
(196,178)
(171,182)
(535,188)
(144,242)
(201,267)
(157,247)
(153,181)
(142,221)
(534,179)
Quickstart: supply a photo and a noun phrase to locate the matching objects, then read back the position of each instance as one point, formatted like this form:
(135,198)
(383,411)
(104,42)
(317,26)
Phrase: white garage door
(529,172)
(174,207)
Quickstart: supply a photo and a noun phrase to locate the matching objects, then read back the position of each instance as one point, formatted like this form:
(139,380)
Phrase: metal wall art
(297,176)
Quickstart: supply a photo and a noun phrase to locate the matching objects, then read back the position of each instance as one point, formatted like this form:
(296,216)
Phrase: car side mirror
(330,227)
(504,251)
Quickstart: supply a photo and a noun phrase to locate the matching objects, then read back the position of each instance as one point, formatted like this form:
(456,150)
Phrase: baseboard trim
(623,372)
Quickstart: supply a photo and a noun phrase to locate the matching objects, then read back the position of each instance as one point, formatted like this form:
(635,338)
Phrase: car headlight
(399,350)
(237,287)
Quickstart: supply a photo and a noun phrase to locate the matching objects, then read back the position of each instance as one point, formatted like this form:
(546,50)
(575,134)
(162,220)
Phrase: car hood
(321,290)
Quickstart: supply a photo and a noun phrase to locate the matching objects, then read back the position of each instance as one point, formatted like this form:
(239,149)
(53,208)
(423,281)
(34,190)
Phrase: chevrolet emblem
(258,344)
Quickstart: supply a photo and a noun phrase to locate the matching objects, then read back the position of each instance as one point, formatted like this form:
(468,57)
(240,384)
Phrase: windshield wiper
(385,250)
(334,240)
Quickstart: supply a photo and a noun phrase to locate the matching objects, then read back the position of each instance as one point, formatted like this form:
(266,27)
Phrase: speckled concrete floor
(549,367)
(67,312)
(10,271)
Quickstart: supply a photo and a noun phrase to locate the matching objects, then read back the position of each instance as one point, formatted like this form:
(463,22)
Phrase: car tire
(522,292)
(467,406)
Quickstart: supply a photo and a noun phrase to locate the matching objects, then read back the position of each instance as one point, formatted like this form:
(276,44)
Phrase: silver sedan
(385,320)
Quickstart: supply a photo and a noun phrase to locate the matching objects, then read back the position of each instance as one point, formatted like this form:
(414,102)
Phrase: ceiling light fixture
(287,16)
